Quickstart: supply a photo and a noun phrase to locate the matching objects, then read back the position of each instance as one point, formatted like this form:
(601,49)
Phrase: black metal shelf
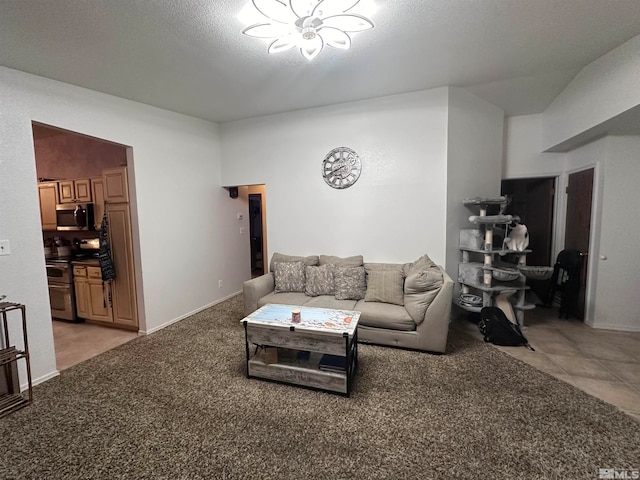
(14,399)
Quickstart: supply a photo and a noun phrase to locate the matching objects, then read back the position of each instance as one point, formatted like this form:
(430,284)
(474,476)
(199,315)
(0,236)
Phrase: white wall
(395,212)
(474,166)
(603,89)
(616,300)
(612,288)
(187,227)
(523,150)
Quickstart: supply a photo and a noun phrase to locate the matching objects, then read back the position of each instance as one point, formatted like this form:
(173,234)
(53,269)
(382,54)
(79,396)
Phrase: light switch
(5,247)
(240,216)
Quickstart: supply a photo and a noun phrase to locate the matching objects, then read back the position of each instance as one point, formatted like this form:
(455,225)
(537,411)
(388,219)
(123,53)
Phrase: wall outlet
(5,247)
(241,230)
(219,283)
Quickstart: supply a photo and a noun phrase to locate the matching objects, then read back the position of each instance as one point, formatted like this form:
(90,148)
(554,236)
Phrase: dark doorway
(532,199)
(578,225)
(255,231)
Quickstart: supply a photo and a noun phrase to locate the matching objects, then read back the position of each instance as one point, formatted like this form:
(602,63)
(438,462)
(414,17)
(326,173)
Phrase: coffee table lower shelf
(303,373)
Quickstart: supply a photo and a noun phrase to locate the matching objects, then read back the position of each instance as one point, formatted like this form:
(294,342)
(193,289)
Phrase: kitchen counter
(90,262)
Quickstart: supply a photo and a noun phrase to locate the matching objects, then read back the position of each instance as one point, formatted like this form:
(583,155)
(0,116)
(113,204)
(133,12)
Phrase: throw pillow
(355,261)
(385,286)
(350,283)
(420,288)
(319,280)
(279,257)
(289,277)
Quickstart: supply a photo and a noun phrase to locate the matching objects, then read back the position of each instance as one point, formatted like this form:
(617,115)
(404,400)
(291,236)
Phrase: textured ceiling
(189,56)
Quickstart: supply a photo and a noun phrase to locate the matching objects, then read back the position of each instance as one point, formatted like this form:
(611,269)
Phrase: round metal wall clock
(341,167)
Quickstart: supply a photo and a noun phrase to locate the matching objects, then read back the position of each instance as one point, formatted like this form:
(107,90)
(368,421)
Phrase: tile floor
(603,363)
(77,342)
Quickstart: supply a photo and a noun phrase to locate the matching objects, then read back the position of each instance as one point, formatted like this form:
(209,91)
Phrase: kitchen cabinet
(97,190)
(48,194)
(75,191)
(123,290)
(116,187)
(92,294)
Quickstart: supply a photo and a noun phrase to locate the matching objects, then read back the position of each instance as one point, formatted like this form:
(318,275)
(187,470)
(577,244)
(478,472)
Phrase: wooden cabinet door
(67,191)
(116,189)
(83,190)
(123,288)
(99,308)
(48,193)
(82,297)
(97,190)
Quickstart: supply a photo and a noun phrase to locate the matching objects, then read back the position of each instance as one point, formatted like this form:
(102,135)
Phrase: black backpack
(497,329)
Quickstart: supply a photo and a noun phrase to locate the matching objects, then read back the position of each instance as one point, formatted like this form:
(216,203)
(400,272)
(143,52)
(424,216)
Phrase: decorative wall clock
(341,167)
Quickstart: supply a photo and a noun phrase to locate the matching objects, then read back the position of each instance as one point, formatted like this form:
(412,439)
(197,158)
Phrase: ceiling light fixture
(307,24)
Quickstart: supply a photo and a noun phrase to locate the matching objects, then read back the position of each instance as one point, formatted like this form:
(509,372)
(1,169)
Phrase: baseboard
(39,380)
(617,328)
(182,317)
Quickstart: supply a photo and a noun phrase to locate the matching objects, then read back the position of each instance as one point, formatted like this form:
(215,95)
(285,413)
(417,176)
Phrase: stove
(60,278)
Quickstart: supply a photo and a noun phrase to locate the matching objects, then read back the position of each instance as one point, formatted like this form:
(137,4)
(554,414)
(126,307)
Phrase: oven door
(61,298)
(59,273)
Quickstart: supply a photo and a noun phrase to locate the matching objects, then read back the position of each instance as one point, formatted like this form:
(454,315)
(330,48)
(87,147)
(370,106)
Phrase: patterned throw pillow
(350,282)
(319,280)
(289,277)
(385,286)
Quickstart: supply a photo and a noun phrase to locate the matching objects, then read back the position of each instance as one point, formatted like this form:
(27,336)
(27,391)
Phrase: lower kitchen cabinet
(93,299)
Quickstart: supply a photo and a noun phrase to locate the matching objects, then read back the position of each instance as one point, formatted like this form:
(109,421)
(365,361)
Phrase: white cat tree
(484,280)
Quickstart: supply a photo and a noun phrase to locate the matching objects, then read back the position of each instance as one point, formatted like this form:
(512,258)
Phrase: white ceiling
(190,57)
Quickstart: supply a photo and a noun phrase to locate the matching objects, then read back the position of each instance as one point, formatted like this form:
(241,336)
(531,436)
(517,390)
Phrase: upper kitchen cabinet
(73,191)
(116,188)
(97,190)
(48,193)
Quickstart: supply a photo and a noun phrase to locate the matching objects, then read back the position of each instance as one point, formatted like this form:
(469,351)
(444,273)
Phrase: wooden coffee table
(280,350)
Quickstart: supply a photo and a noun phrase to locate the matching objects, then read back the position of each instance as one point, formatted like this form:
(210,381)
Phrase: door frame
(594,233)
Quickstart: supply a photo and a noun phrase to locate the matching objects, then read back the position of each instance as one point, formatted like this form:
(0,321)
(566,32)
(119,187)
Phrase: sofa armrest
(435,326)
(256,288)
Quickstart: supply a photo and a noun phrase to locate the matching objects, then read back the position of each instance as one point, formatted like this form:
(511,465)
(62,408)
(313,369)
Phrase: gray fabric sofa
(402,305)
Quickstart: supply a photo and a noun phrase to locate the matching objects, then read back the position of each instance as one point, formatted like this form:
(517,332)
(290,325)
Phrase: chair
(566,281)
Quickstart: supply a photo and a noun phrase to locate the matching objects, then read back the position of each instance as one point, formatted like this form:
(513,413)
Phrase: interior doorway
(533,200)
(578,224)
(256,234)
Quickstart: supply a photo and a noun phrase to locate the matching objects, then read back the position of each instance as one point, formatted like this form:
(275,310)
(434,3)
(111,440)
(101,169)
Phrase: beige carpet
(177,405)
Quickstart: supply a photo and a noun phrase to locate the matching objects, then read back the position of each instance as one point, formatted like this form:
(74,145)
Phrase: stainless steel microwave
(75,216)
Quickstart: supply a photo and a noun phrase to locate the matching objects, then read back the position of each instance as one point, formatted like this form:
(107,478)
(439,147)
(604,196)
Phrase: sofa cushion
(329,301)
(288,298)
(384,315)
(355,261)
(279,257)
(289,277)
(319,280)
(420,288)
(350,283)
(385,286)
